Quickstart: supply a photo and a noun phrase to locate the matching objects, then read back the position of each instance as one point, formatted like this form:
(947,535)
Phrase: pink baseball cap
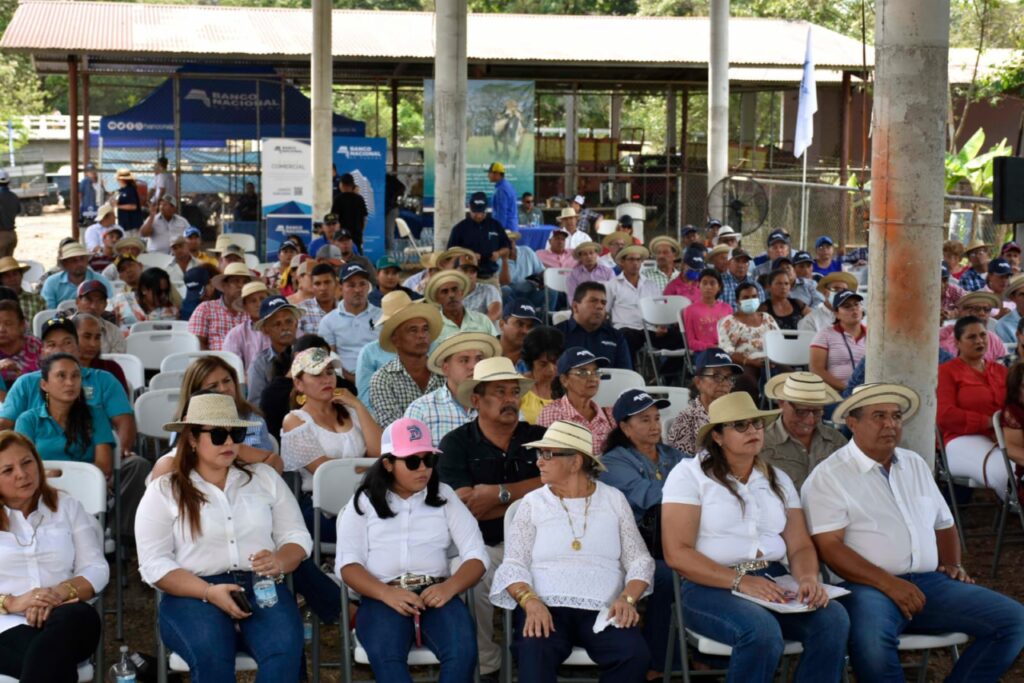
(405,437)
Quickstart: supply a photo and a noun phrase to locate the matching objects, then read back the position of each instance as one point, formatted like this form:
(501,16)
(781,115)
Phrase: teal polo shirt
(102,390)
(50,440)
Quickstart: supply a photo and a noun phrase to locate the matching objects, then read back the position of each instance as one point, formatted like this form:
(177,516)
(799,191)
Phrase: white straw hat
(209,410)
(804,388)
(569,436)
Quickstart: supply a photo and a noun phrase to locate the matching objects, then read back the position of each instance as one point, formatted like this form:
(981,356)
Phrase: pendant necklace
(576,543)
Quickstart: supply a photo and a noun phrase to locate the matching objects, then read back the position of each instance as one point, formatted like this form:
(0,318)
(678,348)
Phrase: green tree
(22,90)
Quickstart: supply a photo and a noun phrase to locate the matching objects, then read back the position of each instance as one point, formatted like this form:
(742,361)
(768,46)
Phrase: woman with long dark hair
(65,426)
(728,519)
(393,541)
(787,311)
(153,299)
(208,535)
(541,349)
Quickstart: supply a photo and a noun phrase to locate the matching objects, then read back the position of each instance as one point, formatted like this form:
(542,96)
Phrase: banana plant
(976,168)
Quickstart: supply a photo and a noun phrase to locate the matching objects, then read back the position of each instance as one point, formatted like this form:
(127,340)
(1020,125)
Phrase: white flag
(808,105)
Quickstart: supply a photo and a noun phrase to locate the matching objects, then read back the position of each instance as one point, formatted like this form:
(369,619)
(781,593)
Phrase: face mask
(749,305)
(692,275)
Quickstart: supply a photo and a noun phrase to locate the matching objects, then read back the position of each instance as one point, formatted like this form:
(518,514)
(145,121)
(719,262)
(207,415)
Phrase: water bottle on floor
(124,670)
(266,591)
(307,626)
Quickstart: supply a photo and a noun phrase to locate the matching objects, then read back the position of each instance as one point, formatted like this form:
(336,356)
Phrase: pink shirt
(701,323)
(683,287)
(947,342)
(553,260)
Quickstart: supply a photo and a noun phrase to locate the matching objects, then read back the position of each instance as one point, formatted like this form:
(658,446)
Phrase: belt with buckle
(750,566)
(415,581)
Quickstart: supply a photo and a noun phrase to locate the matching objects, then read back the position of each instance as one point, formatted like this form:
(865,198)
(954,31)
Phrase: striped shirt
(600,427)
(658,275)
(842,349)
(392,390)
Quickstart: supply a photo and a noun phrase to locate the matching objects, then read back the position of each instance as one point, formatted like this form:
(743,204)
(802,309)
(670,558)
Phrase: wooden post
(73,112)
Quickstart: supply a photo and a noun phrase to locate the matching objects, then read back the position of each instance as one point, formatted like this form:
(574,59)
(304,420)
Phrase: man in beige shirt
(799,441)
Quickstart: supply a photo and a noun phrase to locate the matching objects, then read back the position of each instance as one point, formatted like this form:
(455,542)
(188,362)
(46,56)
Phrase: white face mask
(749,305)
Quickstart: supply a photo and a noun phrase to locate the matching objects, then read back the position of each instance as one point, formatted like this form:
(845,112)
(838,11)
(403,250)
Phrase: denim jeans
(756,634)
(995,621)
(387,637)
(206,638)
(621,653)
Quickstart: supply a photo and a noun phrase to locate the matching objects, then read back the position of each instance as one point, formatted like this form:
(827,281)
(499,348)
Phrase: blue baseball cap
(192,231)
(523,312)
(714,357)
(822,241)
(999,266)
(802,257)
(273,304)
(694,262)
(578,356)
(633,401)
(350,270)
(689,229)
(778,236)
(842,297)
(777,263)
(714,222)
(478,202)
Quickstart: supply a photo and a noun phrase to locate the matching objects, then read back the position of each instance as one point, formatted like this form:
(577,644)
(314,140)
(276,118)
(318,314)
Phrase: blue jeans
(621,653)
(387,637)
(756,634)
(995,621)
(206,639)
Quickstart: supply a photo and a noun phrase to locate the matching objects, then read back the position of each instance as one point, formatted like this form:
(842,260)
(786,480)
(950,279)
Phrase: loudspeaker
(1008,190)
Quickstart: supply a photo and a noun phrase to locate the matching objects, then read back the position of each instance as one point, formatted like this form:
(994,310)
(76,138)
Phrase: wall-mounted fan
(740,202)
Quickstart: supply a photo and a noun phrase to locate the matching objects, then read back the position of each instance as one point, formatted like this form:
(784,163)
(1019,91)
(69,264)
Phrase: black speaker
(1008,190)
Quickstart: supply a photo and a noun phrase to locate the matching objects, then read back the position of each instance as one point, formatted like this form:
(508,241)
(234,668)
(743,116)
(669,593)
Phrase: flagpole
(803,207)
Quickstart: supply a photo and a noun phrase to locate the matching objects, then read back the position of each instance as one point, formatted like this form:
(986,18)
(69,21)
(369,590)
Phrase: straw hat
(513,235)
(631,250)
(589,244)
(233,270)
(453,253)
(664,239)
(497,369)
(463,341)
(254,287)
(987,299)
(1016,282)
(976,243)
(804,388)
(720,249)
(569,436)
(429,260)
(848,278)
(398,308)
(567,212)
(124,174)
(617,235)
(439,280)
(103,212)
(9,263)
(733,407)
(873,394)
(209,410)
(130,241)
(73,250)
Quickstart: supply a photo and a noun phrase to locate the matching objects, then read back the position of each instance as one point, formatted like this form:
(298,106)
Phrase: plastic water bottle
(266,592)
(124,670)
(307,626)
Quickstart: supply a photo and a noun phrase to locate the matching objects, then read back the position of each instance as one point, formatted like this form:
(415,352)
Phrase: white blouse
(414,541)
(309,441)
(247,516)
(538,551)
(730,533)
(49,548)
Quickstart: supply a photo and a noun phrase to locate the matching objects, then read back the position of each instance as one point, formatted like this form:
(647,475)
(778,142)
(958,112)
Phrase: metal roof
(113,32)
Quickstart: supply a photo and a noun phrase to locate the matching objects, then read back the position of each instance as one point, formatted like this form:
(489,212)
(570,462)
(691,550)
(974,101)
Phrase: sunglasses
(413,462)
(743,425)
(218,435)
(547,455)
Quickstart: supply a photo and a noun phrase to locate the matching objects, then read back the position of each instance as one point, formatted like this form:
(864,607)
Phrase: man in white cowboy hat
(212,320)
(665,251)
(800,440)
(163,224)
(978,304)
(105,218)
(407,329)
(446,290)
(568,221)
(350,326)
(879,521)
(489,465)
(62,286)
(278,322)
(244,340)
(588,269)
(824,316)
(11,274)
(727,236)
(454,358)
(978,253)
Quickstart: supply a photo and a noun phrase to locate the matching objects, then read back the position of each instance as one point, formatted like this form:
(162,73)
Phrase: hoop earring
(300,400)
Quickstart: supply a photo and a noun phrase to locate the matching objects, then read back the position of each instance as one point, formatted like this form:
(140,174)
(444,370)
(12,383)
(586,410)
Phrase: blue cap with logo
(523,312)
(192,231)
(714,357)
(999,266)
(822,241)
(478,202)
(578,356)
(350,270)
(694,262)
(802,257)
(633,401)
(842,297)
(777,263)
(778,236)
(273,304)
(689,229)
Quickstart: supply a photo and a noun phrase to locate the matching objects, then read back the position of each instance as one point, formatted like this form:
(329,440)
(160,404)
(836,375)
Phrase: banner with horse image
(500,127)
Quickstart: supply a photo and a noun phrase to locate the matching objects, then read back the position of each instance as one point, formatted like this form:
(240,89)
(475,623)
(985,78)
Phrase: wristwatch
(504,495)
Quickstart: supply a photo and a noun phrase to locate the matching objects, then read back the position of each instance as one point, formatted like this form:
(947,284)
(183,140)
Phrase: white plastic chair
(606,226)
(39,319)
(560,317)
(132,368)
(787,347)
(554,281)
(243,239)
(153,347)
(252,261)
(405,232)
(31,276)
(663,311)
(159,326)
(637,212)
(153,410)
(166,380)
(179,362)
(678,397)
(154,259)
(613,382)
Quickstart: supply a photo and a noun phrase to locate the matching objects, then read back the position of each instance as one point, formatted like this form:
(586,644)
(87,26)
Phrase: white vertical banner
(805,130)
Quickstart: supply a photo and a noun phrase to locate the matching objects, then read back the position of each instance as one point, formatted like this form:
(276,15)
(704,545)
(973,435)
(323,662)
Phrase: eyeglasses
(721,379)
(218,435)
(804,413)
(743,425)
(546,455)
(413,462)
(585,374)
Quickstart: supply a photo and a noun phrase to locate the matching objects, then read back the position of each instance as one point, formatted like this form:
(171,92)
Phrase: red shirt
(968,398)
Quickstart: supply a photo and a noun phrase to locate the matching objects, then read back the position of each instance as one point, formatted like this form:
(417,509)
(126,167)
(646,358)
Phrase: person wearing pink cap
(393,545)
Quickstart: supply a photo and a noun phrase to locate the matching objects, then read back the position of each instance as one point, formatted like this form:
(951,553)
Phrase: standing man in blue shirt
(504,206)
(484,235)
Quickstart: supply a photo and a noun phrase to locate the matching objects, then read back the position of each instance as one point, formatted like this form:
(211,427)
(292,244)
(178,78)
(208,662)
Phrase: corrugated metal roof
(48,27)
(961,62)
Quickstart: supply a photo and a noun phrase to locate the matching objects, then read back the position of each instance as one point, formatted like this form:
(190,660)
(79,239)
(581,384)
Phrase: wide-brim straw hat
(720,249)
(254,287)
(513,235)
(439,280)
(9,263)
(497,369)
(429,260)
(130,241)
(664,239)
(733,407)
(848,278)
(233,270)
(73,250)
(1016,282)
(124,174)
(567,212)
(989,299)
(873,394)
(103,212)
(631,250)
(398,308)
(569,436)
(452,254)
(803,388)
(976,243)
(589,244)
(617,235)
(464,341)
(209,410)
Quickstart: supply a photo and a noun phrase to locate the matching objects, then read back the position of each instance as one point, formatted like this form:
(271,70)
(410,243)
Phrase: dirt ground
(39,236)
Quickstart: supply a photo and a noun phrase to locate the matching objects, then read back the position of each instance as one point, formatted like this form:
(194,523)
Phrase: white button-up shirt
(66,543)
(889,521)
(624,300)
(247,516)
(730,533)
(414,541)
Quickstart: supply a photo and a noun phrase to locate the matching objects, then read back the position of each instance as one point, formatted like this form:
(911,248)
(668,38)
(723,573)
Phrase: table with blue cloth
(536,238)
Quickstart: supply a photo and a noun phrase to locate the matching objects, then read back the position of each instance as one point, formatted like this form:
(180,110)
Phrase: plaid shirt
(658,275)
(440,411)
(392,389)
(31,303)
(312,314)
(950,295)
(729,285)
(213,320)
(971,280)
(600,427)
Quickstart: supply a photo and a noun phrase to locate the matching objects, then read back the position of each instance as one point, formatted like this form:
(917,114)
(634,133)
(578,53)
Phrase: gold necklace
(576,543)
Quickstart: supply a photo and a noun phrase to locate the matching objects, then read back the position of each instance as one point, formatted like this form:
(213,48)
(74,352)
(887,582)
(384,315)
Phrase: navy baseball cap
(739,254)
(58,322)
(626,221)
(822,241)
(777,263)
(714,357)
(196,279)
(192,231)
(694,262)
(478,202)
(689,229)
(633,401)
(273,304)
(842,297)
(288,244)
(523,312)
(350,270)
(578,356)
(714,222)
(802,257)
(999,266)
(778,236)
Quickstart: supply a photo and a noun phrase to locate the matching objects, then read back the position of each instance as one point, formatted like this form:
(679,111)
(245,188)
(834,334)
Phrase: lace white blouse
(309,441)
(538,551)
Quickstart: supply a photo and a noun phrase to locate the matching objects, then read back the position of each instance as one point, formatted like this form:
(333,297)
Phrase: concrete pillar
(571,144)
(718,93)
(911,54)
(748,119)
(322,107)
(450,133)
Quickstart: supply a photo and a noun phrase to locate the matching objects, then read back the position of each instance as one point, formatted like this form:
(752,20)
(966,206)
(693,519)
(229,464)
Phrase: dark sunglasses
(218,435)
(413,462)
(742,426)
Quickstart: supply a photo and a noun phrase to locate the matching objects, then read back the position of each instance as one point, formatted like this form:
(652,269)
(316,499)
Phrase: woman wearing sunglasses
(579,378)
(571,552)
(393,541)
(733,518)
(205,533)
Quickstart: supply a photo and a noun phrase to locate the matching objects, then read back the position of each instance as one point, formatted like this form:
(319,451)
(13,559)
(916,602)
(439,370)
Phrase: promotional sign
(279,228)
(366,160)
(286,189)
(499,116)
